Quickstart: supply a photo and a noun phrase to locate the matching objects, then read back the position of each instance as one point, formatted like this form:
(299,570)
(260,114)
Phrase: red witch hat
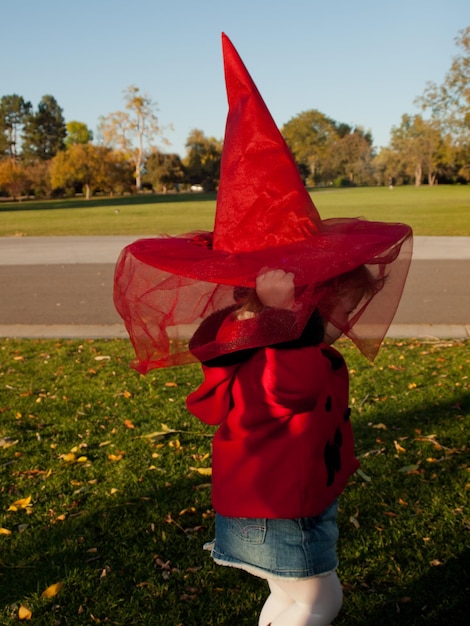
(166,286)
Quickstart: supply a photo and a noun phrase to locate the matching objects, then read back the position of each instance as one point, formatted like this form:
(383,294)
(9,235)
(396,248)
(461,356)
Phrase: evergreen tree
(44,131)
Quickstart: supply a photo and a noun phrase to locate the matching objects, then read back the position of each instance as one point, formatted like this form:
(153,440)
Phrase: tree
(449,103)
(77,132)
(388,167)
(91,167)
(133,130)
(14,178)
(309,135)
(350,159)
(44,131)
(420,146)
(13,111)
(202,161)
(163,170)
(40,179)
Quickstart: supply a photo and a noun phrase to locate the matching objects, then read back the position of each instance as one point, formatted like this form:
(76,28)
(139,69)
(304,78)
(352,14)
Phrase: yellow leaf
(171,385)
(128,424)
(398,447)
(68,458)
(82,459)
(113,490)
(52,590)
(24,613)
(127,394)
(114,457)
(23,503)
(5,531)
(204,471)
(412,386)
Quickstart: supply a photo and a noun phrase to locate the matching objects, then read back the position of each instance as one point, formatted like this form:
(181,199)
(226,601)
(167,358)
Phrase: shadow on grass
(81,203)
(440,597)
(130,561)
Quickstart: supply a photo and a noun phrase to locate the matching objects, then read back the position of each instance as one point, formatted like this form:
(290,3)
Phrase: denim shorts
(278,548)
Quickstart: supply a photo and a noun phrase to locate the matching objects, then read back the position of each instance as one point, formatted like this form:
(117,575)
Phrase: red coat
(284,447)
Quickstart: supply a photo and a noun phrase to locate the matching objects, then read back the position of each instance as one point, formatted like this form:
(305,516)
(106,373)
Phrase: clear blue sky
(361,62)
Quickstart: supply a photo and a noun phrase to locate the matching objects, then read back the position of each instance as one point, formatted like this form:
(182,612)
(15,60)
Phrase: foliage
(77,132)
(92,167)
(350,158)
(105,491)
(309,135)
(419,149)
(163,171)
(202,161)
(14,179)
(44,131)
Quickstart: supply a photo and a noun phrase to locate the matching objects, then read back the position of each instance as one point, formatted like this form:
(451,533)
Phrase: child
(273,383)
(284,450)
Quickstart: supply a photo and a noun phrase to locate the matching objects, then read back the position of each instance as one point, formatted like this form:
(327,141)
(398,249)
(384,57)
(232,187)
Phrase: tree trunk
(418,174)
(87,191)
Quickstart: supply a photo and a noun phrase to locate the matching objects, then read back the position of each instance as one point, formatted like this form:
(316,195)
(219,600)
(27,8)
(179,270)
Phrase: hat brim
(166,286)
(340,246)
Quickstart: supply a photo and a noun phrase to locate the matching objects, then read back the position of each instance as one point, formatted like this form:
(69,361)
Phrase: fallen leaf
(204,471)
(354,521)
(398,447)
(191,509)
(128,424)
(23,503)
(5,531)
(114,457)
(171,385)
(6,442)
(68,457)
(52,590)
(160,433)
(24,613)
(364,476)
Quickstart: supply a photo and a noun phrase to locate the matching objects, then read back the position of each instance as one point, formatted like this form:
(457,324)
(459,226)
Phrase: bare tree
(133,130)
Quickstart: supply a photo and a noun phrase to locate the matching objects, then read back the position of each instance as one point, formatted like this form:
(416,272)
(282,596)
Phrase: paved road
(62,287)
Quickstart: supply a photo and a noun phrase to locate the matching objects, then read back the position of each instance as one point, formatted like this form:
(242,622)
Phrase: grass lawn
(105,491)
(441,210)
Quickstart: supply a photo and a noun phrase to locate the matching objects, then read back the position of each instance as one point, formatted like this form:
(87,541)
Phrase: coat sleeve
(212,400)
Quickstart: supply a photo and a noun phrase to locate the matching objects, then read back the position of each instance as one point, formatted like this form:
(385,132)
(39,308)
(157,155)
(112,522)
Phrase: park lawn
(434,211)
(105,491)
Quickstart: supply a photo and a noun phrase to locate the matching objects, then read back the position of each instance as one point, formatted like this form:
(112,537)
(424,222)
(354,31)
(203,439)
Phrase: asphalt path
(62,287)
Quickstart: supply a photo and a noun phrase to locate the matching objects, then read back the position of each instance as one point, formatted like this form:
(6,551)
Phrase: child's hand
(275,288)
